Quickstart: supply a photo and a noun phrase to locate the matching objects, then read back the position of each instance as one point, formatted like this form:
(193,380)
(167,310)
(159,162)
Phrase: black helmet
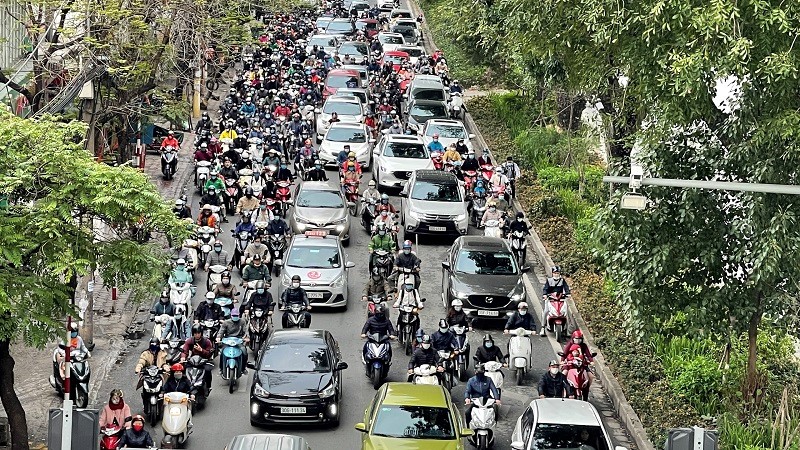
(487,338)
(520,215)
(380,309)
(296,278)
(197,328)
(443,323)
(249,191)
(260,284)
(154,342)
(426,339)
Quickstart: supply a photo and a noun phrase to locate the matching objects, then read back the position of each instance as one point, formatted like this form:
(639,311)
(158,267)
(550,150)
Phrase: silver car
(449,131)
(349,109)
(433,203)
(356,135)
(319,261)
(320,205)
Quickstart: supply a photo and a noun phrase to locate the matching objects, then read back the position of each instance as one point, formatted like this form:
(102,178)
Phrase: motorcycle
(174,350)
(206,237)
(152,381)
(232,194)
(578,378)
(191,255)
(283,195)
(181,294)
(493,372)
(232,360)
(483,419)
(168,157)
(79,372)
(487,170)
(470,177)
(436,158)
(110,436)
(519,353)
(408,324)
(201,173)
(478,208)
(457,106)
(463,353)
(372,303)
(447,357)
(492,229)
(214,276)
(276,245)
(369,213)
(426,374)
(177,419)
(226,303)
(258,328)
(295,316)
(245,177)
(196,368)
(377,359)
(243,239)
(159,324)
(556,313)
(519,245)
(383,260)
(351,194)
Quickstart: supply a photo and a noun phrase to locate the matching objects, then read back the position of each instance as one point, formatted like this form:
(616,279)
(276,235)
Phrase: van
(427,87)
(267,442)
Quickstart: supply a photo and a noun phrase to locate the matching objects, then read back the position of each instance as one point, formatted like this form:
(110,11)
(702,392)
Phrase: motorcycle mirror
(372,141)
(560,353)
(423,300)
(445,265)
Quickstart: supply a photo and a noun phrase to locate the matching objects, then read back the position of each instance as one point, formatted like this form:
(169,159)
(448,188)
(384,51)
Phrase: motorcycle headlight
(259,391)
(329,391)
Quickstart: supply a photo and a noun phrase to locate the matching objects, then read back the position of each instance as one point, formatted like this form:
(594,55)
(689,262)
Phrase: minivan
(427,87)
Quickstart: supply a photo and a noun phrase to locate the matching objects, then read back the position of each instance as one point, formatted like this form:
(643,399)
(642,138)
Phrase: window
(405,150)
(412,52)
(485,263)
(314,257)
(413,422)
(339,27)
(427,111)
(446,131)
(289,357)
(319,199)
(527,424)
(351,48)
(393,40)
(342,108)
(556,436)
(341,134)
(436,191)
(428,94)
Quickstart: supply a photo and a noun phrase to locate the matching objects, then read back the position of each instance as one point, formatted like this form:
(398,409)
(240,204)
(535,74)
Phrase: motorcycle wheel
(152,416)
(256,347)
(376,378)
(520,376)
(462,372)
(81,398)
(483,442)
(559,334)
(277,271)
(231,385)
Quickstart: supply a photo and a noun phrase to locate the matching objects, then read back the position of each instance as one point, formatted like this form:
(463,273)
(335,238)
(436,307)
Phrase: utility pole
(66,412)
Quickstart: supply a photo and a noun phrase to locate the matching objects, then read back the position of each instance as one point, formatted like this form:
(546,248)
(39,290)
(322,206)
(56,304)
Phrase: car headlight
(459,295)
(259,391)
(460,217)
(516,297)
(286,280)
(338,282)
(413,214)
(384,169)
(329,391)
(338,221)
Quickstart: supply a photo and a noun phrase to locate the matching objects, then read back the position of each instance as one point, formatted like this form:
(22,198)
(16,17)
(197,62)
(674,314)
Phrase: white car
(450,131)
(327,42)
(560,423)
(415,52)
(356,135)
(390,41)
(349,109)
(387,5)
(396,157)
(409,23)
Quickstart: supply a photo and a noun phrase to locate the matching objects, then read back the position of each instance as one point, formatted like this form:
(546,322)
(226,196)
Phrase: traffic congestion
(356,275)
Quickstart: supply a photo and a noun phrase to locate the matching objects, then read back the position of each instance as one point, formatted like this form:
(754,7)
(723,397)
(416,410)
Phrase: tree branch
(17,87)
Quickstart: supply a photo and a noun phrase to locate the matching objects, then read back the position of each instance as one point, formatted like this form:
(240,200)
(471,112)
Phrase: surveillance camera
(637,175)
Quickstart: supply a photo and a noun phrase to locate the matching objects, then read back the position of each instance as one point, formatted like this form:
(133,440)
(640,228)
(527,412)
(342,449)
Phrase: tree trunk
(11,403)
(751,385)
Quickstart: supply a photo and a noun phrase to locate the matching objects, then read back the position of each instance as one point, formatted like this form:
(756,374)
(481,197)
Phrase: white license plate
(488,313)
(315,294)
(293,409)
(437,228)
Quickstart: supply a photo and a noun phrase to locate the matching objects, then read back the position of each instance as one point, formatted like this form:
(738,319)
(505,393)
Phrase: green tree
(55,192)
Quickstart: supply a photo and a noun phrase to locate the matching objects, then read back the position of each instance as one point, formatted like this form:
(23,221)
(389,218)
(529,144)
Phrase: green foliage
(56,192)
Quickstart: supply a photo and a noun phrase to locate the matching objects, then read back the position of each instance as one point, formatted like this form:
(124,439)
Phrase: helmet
(178,367)
(197,328)
(436,135)
(488,338)
(260,284)
(257,257)
(248,191)
(214,172)
(406,244)
(385,197)
(555,269)
(351,155)
(457,302)
(210,296)
(296,278)
(380,226)
(522,305)
(553,363)
(235,312)
(443,323)
(178,202)
(317,162)
(371,183)
(137,418)
(426,339)
(577,334)
(73,326)
(180,261)
(380,309)
(154,341)
(520,215)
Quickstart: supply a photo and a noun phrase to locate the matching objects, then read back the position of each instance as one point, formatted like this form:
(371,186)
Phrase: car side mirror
(349,264)
(341,365)
(471,136)
(526,269)
(403,194)
(518,445)
(466,432)
(361,426)
(250,365)
(375,151)
(351,204)
(445,265)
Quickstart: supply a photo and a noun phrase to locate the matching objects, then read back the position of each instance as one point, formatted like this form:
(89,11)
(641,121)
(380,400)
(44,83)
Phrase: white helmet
(457,302)
(180,261)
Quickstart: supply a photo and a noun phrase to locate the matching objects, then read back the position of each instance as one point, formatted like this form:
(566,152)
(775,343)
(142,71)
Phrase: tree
(55,192)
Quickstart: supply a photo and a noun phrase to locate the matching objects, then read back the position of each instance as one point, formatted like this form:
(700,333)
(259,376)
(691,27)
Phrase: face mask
(179,316)
(217,249)
(154,348)
(522,312)
(260,291)
(178,375)
(492,208)
(578,340)
(181,267)
(556,277)
(318,167)
(283,166)
(443,330)
(115,400)
(382,232)
(554,370)
(456,308)
(480,372)
(137,427)
(488,344)
(295,285)
(470,156)
(407,251)
(73,334)
(426,346)
(164,300)
(235,319)
(226,281)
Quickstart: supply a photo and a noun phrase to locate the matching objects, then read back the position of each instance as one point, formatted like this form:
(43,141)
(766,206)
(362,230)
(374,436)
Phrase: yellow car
(405,416)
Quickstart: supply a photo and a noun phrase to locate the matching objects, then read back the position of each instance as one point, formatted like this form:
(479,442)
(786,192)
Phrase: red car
(368,26)
(395,58)
(340,78)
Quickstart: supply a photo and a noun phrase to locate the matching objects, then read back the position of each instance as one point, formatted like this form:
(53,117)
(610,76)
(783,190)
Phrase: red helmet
(577,334)
(176,367)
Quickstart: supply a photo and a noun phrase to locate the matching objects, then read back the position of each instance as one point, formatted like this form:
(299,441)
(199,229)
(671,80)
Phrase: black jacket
(381,326)
(278,226)
(519,225)
(458,318)
(483,354)
(291,296)
(208,311)
(470,164)
(443,341)
(552,386)
(264,301)
(317,175)
(422,356)
(518,321)
(136,439)
(163,308)
(174,385)
(409,261)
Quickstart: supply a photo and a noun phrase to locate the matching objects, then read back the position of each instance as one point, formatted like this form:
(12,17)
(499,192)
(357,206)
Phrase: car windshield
(360,94)
(319,199)
(323,22)
(322,41)
(405,150)
(446,131)
(341,27)
(314,257)
(428,94)
(351,48)
(391,39)
(342,108)
(476,262)
(289,357)
(436,191)
(412,52)
(563,436)
(396,59)
(413,422)
(433,110)
(342,134)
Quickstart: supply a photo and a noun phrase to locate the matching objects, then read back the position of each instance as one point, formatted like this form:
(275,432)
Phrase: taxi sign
(316,233)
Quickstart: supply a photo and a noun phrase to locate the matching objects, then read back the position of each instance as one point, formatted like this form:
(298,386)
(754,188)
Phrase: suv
(433,203)
(348,108)
(396,157)
(483,273)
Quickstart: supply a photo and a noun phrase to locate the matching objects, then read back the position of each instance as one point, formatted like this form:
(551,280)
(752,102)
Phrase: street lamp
(633,199)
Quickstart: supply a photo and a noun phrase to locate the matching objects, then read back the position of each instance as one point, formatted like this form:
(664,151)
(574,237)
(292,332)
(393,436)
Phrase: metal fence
(14,41)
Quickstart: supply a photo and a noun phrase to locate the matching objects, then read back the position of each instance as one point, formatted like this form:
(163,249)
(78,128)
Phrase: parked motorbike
(232,360)
(378,359)
(462,359)
(483,420)
(177,419)
(152,381)
(426,374)
(519,245)
(79,372)
(556,313)
(294,316)
(519,353)
(259,325)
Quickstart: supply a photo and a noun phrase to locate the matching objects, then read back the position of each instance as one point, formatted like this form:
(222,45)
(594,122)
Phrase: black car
(483,273)
(298,379)
(421,111)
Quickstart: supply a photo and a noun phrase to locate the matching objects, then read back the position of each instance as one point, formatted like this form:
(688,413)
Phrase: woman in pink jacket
(116,412)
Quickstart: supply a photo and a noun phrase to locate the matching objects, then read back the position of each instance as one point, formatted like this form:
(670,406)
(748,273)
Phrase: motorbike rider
(179,274)
(485,158)
(371,193)
(470,163)
(205,123)
(234,327)
(170,141)
(294,294)
(256,271)
(264,214)
(425,354)
(376,285)
(136,436)
(407,259)
(228,171)
(456,315)
(444,339)
(116,412)
(553,383)
(163,305)
(153,355)
(479,386)
(229,132)
(520,319)
(207,217)
(576,342)
(379,324)
(455,88)
(461,147)
(181,210)
(248,202)
(214,180)
(451,154)
(492,213)
(518,224)
(203,153)
(176,381)
(555,284)
(257,247)
(207,309)
(499,181)
(75,344)
(381,241)
(245,225)
(178,326)
(318,172)
(384,205)
(211,197)
(435,145)
(283,173)
(513,172)
(350,175)
(225,288)
(278,226)
(198,345)
(261,298)
(218,257)
(488,351)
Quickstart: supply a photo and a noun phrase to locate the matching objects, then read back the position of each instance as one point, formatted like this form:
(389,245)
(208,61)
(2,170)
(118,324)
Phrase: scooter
(519,245)
(177,419)
(483,420)
(446,359)
(556,313)
(383,260)
(492,228)
(519,353)
(478,208)
(159,324)
(79,373)
(174,350)
(368,214)
(579,379)
(214,276)
(351,194)
(201,172)
(168,157)
(181,294)
(487,170)
(295,316)
(110,436)
(277,245)
(372,303)
(426,374)
(232,361)
(493,372)
(470,176)
(463,353)
(378,358)
(408,324)
(245,177)
(456,106)
(242,241)
(226,303)
(258,328)
(152,381)
(196,368)
(206,236)
(436,158)
(283,195)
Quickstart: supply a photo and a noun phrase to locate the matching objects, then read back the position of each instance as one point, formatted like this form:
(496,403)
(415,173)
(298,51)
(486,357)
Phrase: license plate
(293,409)
(437,228)
(488,313)
(315,294)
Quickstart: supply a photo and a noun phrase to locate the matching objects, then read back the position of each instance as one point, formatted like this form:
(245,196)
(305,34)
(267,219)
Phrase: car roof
(340,20)
(415,395)
(358,68)
(395,53)
(319,186)
(565,411)
(324,36)
(435,175)
(343,99)
(405,138)
(300,240)
(345,91)
(358,126)
(427,83)
(426,102)
(354,43)
(410,47)
(401,10)
(365,20)
(267,441)
(389,33)
(483,243)
(306,336)
(450,122)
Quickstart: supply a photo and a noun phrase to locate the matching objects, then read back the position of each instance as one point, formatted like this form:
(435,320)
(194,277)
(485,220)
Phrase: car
(267,442)
(358,6)
(322,23)
(410,34)
(415,52)
(412,416)
(362,72)
(387,5)
(320,205)
(357,50)
(433,203)
(399,12)
(368,26)
(396,157)
(339,78)
(560,423)
(427,87)
(340,26)
(449,131)
(349,109)
(410,23)
(327,42)
(356,135)
(390,41)
(298,379)
(421,111)
(361,93)
(395,58)
(483,273)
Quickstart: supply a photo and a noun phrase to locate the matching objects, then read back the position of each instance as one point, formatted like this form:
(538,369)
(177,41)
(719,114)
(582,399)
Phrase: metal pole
(715,185)
(88,316)
(66,423)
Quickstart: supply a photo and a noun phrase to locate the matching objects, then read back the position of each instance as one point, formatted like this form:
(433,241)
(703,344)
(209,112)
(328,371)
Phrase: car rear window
(557,436)
(428,94)
(342,108)
(432,110)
